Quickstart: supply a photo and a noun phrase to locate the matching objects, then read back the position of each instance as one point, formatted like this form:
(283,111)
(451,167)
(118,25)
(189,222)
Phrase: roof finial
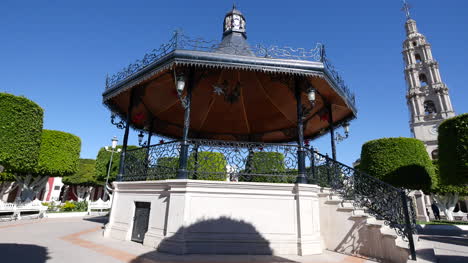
(234,5)
(406,8)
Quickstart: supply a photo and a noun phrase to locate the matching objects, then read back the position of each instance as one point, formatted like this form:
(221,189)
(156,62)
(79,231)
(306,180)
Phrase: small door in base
(140,221)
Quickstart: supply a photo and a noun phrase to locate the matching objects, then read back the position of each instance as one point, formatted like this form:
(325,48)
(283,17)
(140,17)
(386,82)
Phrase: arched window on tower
(422,79)
(418,58)
(429,107)
(435,154)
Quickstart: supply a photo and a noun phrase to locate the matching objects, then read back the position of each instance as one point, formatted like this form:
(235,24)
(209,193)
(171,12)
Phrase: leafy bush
(453,150)
(81,206)
(59,154)
(440,188)
(68,207)
(166,168)
(201,166)
(20,133)
(262,164)
(85,175)
(207,166)
(103,160)
(72,206)
(401,162)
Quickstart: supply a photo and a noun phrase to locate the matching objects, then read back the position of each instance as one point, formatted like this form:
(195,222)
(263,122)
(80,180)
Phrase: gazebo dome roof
(240,92)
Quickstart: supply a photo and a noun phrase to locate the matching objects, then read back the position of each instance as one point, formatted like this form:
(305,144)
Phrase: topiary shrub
(20,133)
(401,162)
(59,154)
(166,168)
(207,166)
(262,164)
(103,160)
(85,175)
(68,207)
(453,150)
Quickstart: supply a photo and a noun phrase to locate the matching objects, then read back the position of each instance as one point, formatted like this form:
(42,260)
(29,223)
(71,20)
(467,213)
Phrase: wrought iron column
(301,176)
(184,149)
(312,166)
(148,144)
(332,132)
(408,227)
(125,140)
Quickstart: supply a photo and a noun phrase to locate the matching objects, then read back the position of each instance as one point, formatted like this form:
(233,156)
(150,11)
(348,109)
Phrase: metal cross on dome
(406,8)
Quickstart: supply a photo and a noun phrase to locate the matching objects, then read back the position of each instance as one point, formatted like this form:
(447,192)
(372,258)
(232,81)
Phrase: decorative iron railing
(179,41)
(215,160)
(274,163)
(383,201)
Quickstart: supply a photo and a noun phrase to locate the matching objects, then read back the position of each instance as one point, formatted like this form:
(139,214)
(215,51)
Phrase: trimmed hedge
(441,188)
(401,162)
(85,175)
(267,163)
(102,163)
(208,166)
(166,168)
(20,133)
(453,150)
(59,154)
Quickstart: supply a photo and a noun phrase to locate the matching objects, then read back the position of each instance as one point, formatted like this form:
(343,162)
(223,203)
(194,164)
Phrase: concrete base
(211,217)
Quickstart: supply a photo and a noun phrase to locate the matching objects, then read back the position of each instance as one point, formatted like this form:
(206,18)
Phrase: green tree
(401,162)
(82,181)
(58,156)
(207,166)
(261,164)
(103,160)
(20,134)
(453,150)
(85,174)
(165,168)
(452,166)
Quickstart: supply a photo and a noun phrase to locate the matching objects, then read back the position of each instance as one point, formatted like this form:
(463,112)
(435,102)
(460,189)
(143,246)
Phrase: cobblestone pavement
(71,240)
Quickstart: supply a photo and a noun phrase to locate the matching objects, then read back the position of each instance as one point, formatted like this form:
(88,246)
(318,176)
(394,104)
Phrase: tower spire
(427,95)
(406,7)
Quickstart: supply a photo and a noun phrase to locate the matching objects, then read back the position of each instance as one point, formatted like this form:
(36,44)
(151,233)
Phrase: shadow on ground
(98,219)
(447,240)
(214,237)
(451,259)
(441,230)
(23,253)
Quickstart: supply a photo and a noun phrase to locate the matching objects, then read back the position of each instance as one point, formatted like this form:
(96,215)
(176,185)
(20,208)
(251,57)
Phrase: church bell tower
(427,96)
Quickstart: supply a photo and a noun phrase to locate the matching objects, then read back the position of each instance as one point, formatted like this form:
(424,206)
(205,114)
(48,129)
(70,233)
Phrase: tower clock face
(433,130)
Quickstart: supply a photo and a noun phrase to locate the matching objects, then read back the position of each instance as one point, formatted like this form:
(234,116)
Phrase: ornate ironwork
(182,42)
(313,54)
(119,124)
(338,79)
(378,198)
(215,160)
(268,162)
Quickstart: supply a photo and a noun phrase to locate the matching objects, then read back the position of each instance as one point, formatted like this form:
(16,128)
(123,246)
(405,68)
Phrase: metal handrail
(379,198)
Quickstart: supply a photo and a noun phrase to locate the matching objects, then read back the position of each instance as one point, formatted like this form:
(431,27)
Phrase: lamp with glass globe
(108,190)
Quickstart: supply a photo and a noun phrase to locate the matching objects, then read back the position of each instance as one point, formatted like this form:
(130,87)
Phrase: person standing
(435,210)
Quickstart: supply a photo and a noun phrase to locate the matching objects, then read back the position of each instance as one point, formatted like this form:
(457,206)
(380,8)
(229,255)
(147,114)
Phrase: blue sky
(57,53)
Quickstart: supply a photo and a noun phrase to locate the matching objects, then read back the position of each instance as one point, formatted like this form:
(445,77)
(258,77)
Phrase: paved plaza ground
(72,240)
(450,243)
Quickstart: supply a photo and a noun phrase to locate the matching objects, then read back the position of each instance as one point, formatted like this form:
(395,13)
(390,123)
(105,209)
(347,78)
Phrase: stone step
(358,213)
(347,203)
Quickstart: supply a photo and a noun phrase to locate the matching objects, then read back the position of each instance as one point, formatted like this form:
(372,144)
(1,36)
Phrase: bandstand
(235,172)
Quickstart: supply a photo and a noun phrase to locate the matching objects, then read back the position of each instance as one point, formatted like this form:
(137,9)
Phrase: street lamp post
(107,189)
